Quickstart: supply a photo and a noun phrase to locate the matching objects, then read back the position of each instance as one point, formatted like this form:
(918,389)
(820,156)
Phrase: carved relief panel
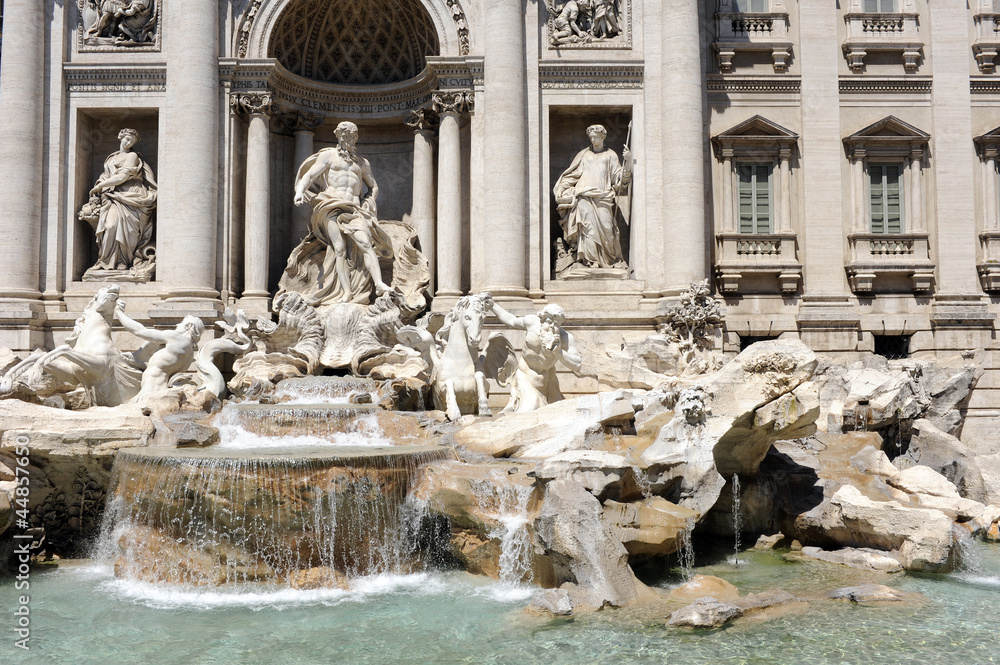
(589,24)
(113,25)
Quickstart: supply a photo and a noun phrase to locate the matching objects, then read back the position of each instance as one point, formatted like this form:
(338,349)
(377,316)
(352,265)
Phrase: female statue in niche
(586,198)
(121,209)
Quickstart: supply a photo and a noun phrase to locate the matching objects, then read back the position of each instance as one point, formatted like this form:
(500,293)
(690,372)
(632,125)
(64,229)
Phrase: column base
(173,310)
(829,323)
(21,324)
(961,311)
(513,292)
(255,302)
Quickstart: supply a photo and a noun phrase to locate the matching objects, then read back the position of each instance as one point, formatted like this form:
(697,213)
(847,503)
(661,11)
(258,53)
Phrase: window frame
(751,10)
(755,166)
(880,9)
(901,193)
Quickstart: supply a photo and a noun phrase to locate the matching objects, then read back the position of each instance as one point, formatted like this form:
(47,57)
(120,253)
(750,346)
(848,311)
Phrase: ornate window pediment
(759,135)
(889,137)
(888,238)
(354,43)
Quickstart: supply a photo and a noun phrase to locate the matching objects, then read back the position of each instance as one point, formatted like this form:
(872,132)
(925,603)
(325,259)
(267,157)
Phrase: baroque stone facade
(833,169)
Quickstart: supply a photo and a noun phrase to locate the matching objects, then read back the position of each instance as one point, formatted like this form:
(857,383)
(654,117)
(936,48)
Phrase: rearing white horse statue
(89,358)
(458,370)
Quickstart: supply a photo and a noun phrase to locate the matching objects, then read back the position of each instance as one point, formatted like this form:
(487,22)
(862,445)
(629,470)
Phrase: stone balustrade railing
(901,256)
(867,32)
(759,31)
(987,43)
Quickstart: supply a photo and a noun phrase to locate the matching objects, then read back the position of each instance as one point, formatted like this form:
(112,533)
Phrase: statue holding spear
(587,200)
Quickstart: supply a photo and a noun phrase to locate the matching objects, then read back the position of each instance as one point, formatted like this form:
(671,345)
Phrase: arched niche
(261,22)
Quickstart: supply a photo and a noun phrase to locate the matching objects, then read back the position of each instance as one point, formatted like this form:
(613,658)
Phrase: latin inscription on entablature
(589,24)
(562,76)
(88,78)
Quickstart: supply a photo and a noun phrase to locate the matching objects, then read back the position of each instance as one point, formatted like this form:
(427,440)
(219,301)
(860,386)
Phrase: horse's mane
(476,302)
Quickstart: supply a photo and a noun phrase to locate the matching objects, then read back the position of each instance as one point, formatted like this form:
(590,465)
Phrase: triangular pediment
(758,126)
(889,127)
(992,135)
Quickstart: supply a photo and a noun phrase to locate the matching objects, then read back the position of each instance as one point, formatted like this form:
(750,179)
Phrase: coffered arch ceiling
(354,42)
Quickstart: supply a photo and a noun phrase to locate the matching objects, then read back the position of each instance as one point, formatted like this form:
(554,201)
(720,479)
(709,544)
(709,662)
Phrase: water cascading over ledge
(207,516)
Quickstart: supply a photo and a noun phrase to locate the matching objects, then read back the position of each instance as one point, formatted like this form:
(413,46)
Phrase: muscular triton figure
(344,220)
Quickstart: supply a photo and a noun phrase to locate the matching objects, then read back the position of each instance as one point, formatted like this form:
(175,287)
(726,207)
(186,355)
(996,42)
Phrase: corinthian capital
(251,103)
(452,101)
(420,119)
(301,121)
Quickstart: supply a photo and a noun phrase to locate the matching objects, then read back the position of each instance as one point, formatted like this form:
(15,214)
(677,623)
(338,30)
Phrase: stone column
(188,203)
(728,219)
(257,212)
(785,180)
(422,122)
(303,126)
(916,190)
(505,146)
(991,223)
(449,106)
(859,218)
(22,98)
(684,160)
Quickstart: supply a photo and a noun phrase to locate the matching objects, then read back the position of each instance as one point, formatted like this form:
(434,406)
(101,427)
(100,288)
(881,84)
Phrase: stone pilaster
(188,205)
(22,98)
(827,320)
(303,126)
(256,237)
(684,161)
(505,146)
(958,303)
(450,106)
(423,121)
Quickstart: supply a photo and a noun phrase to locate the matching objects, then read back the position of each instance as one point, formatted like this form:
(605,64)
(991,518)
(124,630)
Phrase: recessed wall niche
(567,139)
(97,138)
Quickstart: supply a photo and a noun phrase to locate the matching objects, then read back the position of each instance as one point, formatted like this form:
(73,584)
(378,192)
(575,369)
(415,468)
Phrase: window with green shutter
(886,197)
(751,5)
(755,209)
(881,6)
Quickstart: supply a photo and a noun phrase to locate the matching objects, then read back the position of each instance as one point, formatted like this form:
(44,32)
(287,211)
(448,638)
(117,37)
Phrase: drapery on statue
(344,223)
(121,209)
(586,200)
(546,343)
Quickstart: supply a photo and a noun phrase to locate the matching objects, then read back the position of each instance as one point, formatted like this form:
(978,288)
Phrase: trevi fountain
(441,331)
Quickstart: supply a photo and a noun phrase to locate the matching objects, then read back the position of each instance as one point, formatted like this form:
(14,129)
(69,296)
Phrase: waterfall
(686,550)
(244,426)
(205,516)
(323,389)
(507,506)
(737,518)
(862,416)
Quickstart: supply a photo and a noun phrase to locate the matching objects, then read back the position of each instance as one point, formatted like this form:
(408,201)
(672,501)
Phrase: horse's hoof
(485,411)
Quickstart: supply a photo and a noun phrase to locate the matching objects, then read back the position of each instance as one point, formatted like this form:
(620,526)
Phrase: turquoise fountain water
(393,612)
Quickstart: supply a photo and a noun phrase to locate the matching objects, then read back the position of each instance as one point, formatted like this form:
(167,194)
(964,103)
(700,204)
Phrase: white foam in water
(363,589)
